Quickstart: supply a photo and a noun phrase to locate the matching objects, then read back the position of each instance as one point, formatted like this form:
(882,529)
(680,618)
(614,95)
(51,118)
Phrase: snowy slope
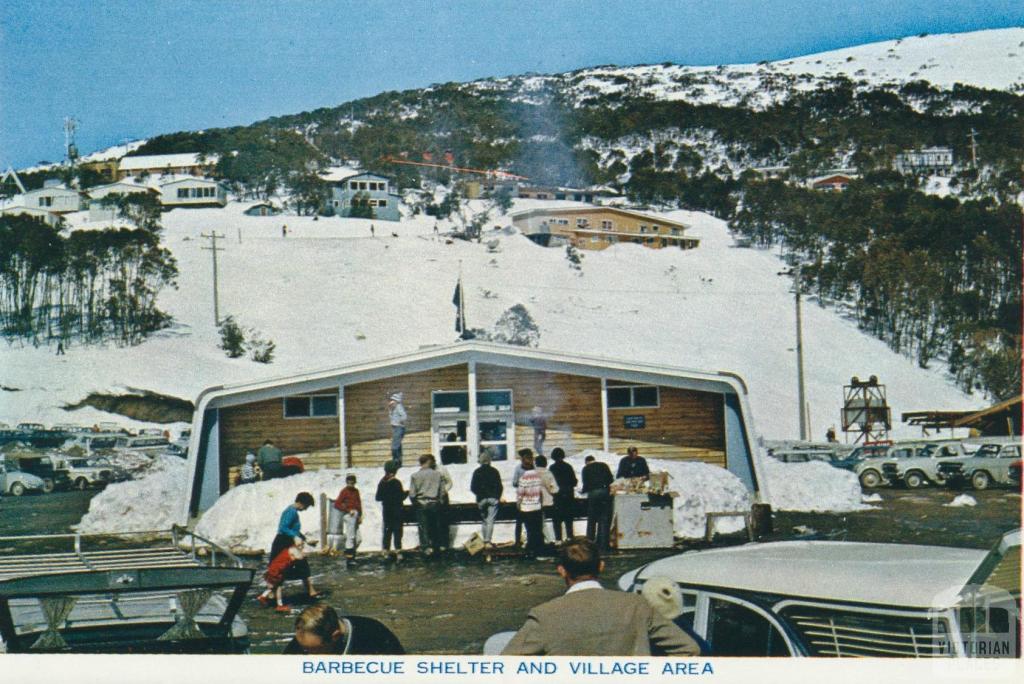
(329,294)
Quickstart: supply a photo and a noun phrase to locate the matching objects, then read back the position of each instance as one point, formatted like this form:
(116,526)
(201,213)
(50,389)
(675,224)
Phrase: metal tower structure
(866,414)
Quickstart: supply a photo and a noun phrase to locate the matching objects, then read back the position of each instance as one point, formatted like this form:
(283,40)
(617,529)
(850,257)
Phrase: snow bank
(871,498)
(150,502)
(812,487)
(245,518)
(962,500)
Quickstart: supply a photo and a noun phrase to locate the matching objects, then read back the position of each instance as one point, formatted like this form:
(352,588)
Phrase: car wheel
(47,486)
(914,480)
(870,479)
(17,489)
(981,480)
(81,483)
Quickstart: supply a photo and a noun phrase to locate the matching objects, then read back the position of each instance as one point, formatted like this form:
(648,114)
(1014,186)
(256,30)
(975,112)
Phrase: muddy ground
(452,606)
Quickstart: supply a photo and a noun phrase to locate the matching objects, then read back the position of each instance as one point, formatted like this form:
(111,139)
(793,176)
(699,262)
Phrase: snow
(245,518)
(812,487)
(871,498)
(356,298)
(961,501)
(152,502)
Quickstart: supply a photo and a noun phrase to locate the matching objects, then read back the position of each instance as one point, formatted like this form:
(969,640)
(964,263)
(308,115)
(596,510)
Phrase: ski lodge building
(601,227)
(470,396)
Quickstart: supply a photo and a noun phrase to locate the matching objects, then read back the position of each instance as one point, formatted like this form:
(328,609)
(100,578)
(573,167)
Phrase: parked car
(836,599)
(1014,475)
(16,482)
(922,468)
(802,455)
(987,466)
(40,465)
(144,445)
(89,444)
(36,435)
(84,473)
(872,457)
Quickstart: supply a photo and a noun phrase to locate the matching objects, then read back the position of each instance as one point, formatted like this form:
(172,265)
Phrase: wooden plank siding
(686,425)
(367,428)
(248,426)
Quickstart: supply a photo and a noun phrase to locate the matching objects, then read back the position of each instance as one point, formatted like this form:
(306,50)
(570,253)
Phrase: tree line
(88,286)
(935,278)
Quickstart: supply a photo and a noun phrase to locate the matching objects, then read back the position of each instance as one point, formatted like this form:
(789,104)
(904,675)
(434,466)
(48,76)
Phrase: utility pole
(213,237)
(974,148)
(801,390)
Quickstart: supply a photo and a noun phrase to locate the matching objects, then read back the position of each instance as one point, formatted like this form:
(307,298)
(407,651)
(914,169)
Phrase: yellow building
(601,227)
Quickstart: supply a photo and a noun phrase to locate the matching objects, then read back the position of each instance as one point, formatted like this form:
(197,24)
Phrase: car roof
(887,574)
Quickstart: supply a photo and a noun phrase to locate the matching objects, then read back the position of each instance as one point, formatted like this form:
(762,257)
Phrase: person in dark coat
(565,498)
(597,479)
(391,494)
(269,459)
(633,465)
(319,630)
(487,488)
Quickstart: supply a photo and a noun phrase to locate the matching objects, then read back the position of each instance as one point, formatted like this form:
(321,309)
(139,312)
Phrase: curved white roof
(898,575)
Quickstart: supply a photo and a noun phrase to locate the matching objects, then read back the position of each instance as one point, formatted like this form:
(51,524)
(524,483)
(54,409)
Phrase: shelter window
(633,396)
(318,406)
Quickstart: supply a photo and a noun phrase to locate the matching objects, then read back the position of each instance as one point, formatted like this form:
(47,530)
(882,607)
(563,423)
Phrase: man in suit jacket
(589,620)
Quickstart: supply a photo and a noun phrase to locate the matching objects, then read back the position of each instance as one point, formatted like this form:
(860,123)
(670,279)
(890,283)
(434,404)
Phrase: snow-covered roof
(52,189)
(542,211)
(127,184)
(882,574)
(174,180)
(339,173)
(163,161)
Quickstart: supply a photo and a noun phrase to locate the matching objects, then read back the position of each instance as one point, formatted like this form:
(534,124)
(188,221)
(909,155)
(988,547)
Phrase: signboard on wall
(634,422)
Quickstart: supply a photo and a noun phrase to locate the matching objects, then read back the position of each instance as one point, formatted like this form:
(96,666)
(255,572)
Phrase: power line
(213,248)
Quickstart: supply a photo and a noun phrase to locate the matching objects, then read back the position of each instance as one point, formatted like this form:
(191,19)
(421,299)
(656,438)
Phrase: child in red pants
(275,576)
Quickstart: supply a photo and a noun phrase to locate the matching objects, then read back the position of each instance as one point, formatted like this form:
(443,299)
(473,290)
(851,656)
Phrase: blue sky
(136,69)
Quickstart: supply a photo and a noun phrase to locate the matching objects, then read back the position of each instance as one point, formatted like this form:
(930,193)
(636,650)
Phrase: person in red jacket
(350,505)
(275,575)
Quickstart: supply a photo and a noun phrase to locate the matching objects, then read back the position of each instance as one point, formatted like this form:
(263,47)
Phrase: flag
(460,314)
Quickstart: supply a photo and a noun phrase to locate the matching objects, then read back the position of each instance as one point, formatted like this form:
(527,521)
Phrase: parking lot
(452,606)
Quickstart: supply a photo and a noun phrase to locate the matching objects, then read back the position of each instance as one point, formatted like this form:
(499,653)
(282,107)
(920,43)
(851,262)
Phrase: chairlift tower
(866,414)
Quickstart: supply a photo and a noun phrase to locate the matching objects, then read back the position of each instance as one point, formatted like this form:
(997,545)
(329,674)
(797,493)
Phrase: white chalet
(192,192)
(49,217)
(54,197)
(926,160)
(99,212)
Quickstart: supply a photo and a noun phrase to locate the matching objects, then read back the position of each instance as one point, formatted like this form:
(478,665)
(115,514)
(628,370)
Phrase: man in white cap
(397,416)
(666,599)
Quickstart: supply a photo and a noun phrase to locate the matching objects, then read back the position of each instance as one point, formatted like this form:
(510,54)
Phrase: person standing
(589,620)
(564,509)
(425,487)
(529,500)
(487,488)
(540,429)
(548,491)
(289,533)
(391,494)
(632,465)
(597,480)
(517,473)
(248,472)
(397,417)
(269,458)
(350,504)
(443,529)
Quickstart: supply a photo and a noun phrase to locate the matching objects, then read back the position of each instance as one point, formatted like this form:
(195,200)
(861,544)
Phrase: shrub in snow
(260,350)
(232,339)
(516,326)
(574,257)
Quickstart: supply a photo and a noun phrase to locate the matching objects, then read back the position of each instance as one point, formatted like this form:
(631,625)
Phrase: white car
(836,599)
(988,466)
(870,472)
(923,468)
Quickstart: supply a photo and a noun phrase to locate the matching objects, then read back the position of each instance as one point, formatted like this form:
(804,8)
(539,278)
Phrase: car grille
(838,633)
(948,470)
